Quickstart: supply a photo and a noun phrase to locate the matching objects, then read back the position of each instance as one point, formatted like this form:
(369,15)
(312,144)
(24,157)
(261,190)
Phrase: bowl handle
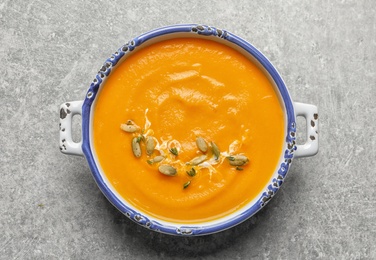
(67,111)
(311,146)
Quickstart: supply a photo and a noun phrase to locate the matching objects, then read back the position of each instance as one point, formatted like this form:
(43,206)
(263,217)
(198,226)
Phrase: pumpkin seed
(167,170)
(150,145)
(150,162)
(192,172)
(238,160)
(186,184)
(140,138)
(197,160)
(215,150)
(174,151)
(158,159)
(136,148)
(129,128)
(201,144)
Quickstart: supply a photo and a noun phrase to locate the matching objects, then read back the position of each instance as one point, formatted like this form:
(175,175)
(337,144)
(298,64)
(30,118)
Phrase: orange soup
(188,130)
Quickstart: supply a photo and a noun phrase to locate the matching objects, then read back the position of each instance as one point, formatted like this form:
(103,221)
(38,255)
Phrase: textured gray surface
(50,206)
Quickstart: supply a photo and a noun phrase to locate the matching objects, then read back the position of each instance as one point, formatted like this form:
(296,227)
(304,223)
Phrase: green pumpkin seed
(174,151)
(150,162)
(140,138)
(186,184)
(238,160)
(192,172)
(150,145)
(201,144)
(215,150)
(167,170)
(136,148)
(197,160)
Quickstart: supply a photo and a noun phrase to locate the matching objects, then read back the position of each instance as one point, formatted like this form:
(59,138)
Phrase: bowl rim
(225,222)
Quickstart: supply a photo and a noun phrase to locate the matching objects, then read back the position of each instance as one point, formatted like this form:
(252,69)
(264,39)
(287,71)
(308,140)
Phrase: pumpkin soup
(188,130)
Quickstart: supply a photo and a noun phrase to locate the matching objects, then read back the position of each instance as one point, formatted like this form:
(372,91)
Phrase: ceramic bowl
(291,150)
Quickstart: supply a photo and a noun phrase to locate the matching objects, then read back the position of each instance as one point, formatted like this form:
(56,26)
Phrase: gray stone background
(50,207)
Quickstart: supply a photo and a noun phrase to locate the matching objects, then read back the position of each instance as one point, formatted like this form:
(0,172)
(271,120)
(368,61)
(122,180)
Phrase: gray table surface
(50,207)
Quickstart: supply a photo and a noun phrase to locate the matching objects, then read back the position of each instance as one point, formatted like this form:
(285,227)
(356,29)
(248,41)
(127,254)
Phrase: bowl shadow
(184,246)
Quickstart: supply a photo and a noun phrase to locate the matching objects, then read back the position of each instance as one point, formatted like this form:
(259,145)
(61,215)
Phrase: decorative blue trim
(205,31)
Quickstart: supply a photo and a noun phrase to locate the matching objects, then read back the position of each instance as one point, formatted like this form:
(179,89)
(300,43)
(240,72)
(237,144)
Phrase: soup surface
(171,93)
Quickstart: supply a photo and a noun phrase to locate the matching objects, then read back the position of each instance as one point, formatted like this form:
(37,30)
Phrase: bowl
(90,109)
